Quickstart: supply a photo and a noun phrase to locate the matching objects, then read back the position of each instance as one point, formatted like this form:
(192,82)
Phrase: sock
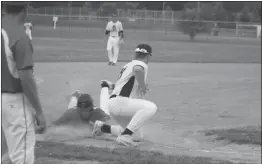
(106,128)
(127,132)
(116,130)
(104,98)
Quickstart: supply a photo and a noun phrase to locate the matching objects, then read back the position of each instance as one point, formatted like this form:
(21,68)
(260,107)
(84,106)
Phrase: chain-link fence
(135,20)
(167,17)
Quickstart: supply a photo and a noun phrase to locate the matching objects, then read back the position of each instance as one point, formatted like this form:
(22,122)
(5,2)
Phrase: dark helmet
(144,49)
(85,101)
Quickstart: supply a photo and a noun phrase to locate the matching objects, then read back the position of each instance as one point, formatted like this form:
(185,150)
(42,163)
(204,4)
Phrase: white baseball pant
(18,128)
(129,113)
(113,45)
(29,33)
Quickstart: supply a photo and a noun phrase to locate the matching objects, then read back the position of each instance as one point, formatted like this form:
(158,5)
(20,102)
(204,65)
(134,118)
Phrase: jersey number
(121,72)
(114,28)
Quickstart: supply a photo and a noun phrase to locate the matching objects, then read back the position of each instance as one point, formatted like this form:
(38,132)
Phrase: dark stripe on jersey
(128,87)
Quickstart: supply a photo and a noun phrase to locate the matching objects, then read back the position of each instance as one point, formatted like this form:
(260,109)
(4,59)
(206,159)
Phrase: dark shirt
(16,55)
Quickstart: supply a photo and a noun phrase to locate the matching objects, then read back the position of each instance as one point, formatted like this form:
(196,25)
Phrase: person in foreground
(22,113)
(130,113)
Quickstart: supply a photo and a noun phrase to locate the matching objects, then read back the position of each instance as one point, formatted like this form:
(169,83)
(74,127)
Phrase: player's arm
(107,29)
(121,32)
(23,53)
(139,73)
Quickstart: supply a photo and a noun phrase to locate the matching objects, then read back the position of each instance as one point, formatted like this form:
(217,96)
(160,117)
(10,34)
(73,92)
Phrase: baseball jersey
(114,28)
(126,81)
(28,26)
(16,54)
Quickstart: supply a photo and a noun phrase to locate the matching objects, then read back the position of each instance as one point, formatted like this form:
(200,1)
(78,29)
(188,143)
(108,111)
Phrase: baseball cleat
(126,140)
(137,139)
(113,64)
(73,99)
(110,63)
(107,83)
(97,128)
(76,93)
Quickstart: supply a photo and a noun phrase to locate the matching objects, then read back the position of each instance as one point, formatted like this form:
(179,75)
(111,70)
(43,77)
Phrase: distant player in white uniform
(115,33)
(28,29)
(130,113)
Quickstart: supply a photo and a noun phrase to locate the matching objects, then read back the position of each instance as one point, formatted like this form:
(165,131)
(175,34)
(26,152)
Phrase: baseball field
(208,94)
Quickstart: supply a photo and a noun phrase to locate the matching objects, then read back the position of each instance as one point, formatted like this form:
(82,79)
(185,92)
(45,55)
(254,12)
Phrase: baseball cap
(144,48)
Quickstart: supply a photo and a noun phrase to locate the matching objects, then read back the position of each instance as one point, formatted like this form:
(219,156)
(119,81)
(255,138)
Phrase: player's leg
(139,111)
(30,34)
(103,127)
(109,50)
(116,50)
(18,127)
(100,126)
(104,96)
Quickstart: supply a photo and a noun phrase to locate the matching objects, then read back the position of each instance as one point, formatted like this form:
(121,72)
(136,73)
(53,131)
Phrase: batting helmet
(85,101)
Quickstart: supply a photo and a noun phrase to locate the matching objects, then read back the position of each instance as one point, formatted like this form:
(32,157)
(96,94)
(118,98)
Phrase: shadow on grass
(60,151)
(242,135)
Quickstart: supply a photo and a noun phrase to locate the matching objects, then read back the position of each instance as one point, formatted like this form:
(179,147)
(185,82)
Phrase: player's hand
(121,41)
(40,123)
(142,90)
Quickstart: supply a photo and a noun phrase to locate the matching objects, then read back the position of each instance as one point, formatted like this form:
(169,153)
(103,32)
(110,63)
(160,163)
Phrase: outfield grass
(60,151)
(242,135)
(91,47)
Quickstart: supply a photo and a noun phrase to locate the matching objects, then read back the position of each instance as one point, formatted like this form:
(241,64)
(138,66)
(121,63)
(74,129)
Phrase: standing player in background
(28,29)
(130,113)
(115,33)
(21,107)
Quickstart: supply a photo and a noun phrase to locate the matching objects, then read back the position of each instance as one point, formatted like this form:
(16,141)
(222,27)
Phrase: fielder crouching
(127,104)
(89,113)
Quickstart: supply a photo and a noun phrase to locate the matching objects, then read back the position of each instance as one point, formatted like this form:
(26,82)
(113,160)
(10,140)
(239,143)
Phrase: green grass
(60,151)
(243,135)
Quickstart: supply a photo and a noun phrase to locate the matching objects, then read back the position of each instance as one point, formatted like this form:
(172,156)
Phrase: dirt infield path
(182,142)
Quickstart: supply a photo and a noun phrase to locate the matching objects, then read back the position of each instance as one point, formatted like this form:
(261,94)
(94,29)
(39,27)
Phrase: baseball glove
(121,41)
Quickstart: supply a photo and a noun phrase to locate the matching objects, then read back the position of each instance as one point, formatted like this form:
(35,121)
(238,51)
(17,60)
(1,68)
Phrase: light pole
(198,10)
(163,10)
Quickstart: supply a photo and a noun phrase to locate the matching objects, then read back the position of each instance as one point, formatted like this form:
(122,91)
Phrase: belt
(112,96)
(114,36)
